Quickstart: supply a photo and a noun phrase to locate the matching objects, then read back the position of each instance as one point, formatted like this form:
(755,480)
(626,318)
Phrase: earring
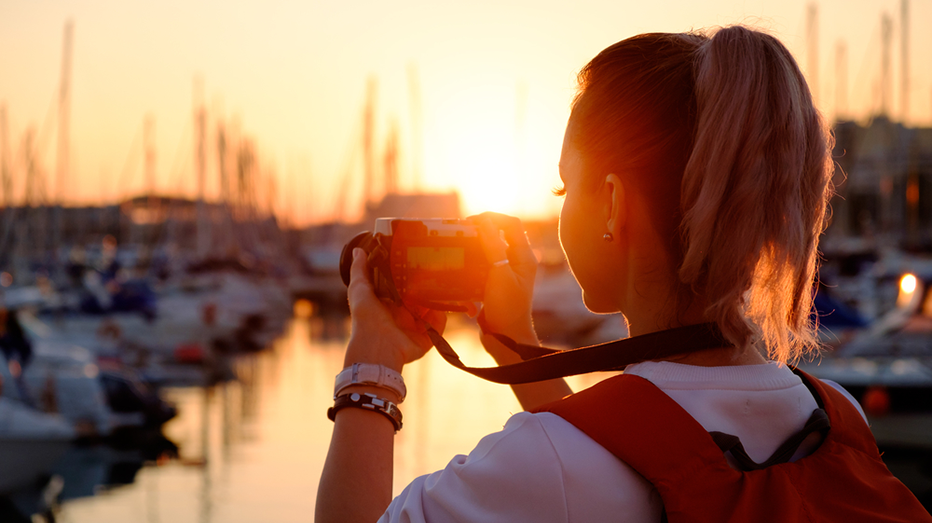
(608,237)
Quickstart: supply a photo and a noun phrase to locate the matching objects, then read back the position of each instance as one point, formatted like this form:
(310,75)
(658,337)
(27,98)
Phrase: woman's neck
(648,312)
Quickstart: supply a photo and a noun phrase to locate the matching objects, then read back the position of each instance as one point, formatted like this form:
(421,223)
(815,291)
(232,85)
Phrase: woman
(696,176)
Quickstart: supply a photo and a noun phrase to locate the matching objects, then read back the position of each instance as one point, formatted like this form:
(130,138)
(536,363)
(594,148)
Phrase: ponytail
(755,192)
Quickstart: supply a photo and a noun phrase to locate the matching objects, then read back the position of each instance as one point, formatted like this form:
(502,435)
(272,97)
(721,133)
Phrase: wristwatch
(370,374)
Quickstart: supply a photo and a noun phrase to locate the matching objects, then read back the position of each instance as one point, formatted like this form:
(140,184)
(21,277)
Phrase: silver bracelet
(373,375)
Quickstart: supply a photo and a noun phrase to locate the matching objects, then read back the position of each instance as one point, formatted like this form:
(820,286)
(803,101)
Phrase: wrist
(375,352)
(502,354)
(520,330)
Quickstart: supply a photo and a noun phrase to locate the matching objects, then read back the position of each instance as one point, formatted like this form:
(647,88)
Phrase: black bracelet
(366,401)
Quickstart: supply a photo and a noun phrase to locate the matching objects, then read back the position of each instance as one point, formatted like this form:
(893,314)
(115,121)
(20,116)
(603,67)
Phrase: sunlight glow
(490,183)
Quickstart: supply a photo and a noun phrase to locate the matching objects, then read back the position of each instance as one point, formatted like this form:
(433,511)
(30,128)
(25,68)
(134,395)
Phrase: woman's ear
(616,206)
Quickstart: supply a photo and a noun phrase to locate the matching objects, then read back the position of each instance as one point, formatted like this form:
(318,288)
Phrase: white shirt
(541,468)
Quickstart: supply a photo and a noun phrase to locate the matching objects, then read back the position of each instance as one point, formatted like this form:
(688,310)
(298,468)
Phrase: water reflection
(253,449)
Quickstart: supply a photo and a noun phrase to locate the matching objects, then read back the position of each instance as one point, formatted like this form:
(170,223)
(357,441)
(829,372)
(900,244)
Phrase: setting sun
(498,144)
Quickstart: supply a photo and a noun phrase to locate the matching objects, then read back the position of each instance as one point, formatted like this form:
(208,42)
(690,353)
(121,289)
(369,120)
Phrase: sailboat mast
(390,160)
(368,143)
(414,90)
(812,53)
(6,179)
(62,150)
(148,133)
(886,33)
(904,59)
(200,165)
(64,110)
(841,80)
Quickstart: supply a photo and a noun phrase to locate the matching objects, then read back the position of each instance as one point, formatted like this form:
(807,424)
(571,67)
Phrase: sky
(495,80)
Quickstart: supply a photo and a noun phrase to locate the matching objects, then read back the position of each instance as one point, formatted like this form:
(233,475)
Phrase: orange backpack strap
(645,428)
(627,411)
(844,480)
(843,414)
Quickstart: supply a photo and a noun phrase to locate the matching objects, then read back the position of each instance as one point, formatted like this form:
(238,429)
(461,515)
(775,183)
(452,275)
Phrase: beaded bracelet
(366,401)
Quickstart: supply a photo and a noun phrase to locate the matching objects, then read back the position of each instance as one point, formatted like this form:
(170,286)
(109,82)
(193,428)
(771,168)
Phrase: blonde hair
(723,138)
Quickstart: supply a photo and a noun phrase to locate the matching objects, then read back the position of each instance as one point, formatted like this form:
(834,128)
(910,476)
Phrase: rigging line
(349,161)
(46,129)
(870,63)
(131,161)
(172,203)
(179,164)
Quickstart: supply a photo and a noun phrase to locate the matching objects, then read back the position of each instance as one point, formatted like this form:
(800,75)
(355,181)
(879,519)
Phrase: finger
(418,310)
(414,328)
(437,320)
(358,267)
(519,249)
(472,309)
(359,288)
(404,319)
(495,249)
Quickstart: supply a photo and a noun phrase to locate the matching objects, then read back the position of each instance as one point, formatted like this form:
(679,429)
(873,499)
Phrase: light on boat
(876,401)
(908,283)
(91,370)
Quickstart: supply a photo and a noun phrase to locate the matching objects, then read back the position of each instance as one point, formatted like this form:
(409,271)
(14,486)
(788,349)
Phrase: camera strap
(542,363)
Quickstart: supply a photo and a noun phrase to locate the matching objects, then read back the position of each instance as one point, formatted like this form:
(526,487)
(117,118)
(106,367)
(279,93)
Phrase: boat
(65,377)
(887,367)
(31,442)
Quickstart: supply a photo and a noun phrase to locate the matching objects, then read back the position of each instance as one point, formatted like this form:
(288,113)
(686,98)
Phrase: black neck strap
(541,363)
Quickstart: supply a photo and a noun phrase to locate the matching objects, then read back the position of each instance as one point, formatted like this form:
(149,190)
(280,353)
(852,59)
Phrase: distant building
(884,183)
(416,205)
(147,221)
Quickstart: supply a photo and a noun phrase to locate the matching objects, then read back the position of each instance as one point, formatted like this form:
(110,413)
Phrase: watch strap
(370,374)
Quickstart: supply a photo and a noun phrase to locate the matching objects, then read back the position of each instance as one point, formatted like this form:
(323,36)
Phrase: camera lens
(346,257)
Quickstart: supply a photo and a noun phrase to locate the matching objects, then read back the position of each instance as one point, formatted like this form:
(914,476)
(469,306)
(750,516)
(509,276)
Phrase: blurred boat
(181,335)
(887,366)
(31,442)
(64,377)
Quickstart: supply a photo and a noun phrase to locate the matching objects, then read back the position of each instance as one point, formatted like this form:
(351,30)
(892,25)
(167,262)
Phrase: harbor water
(253,449)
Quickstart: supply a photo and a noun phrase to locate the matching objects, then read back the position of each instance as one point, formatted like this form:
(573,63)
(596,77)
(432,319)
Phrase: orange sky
(495,80)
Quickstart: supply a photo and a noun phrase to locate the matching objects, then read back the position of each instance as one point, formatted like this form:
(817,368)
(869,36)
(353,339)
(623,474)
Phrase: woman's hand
(383,334)
(510,287)
(507,303)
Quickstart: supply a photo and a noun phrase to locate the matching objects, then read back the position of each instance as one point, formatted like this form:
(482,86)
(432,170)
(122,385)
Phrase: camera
(436,263)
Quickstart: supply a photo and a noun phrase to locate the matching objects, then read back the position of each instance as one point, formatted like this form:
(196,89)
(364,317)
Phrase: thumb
(359,287)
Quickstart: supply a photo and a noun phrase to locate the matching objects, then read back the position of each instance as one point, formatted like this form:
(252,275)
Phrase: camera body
(436,263)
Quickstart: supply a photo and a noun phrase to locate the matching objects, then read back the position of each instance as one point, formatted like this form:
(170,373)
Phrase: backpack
(843,480)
